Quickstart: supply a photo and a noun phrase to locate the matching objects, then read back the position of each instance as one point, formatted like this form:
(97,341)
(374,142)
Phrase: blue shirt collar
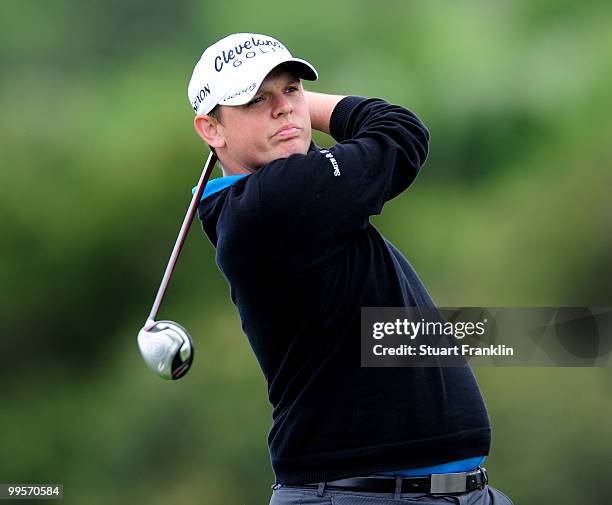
(215,185)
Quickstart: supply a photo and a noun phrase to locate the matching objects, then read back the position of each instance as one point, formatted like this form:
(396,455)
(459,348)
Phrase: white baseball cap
(231,70)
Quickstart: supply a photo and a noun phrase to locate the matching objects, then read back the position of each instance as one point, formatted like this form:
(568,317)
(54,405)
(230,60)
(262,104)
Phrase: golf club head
(166,348)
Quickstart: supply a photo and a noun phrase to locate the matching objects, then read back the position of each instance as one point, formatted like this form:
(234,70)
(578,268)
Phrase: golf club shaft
(180,240)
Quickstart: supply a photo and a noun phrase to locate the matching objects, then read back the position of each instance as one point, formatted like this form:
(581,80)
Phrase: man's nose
(282,105)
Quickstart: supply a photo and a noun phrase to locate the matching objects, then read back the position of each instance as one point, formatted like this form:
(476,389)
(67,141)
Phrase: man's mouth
(287,131)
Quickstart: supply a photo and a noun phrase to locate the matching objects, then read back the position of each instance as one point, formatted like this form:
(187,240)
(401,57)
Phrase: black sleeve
(316,201)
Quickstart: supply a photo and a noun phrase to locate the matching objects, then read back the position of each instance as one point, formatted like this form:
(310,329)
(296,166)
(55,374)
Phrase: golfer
(290,223)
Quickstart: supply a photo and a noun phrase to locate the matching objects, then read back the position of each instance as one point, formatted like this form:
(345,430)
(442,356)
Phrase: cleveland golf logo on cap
(252,46)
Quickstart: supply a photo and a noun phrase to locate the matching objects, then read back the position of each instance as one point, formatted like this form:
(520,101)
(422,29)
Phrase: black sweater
(295,244)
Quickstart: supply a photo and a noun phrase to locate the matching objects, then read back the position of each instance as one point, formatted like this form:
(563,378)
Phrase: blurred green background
(98,156)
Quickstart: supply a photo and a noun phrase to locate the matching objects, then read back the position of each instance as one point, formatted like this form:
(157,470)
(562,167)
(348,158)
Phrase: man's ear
(208,129)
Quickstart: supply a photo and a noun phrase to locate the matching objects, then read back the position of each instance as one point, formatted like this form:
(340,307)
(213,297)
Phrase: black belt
(436,483)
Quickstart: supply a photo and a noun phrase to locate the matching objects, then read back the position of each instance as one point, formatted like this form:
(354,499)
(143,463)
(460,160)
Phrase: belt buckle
(485,476)
(443,483)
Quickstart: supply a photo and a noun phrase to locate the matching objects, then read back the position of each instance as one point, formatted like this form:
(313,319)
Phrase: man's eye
(255,100)
(292,88)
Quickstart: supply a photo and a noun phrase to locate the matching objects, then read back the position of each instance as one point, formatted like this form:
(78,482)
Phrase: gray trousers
(296,495)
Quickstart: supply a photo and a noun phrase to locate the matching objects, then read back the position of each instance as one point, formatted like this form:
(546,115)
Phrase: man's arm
(321,107)
(312,204)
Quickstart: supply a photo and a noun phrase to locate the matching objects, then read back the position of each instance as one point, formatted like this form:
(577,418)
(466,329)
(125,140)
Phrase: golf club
(166,346)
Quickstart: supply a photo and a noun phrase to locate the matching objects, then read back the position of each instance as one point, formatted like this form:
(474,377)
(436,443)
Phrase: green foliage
(98,158)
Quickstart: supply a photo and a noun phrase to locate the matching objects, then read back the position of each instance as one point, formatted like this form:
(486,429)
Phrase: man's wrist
(321,106)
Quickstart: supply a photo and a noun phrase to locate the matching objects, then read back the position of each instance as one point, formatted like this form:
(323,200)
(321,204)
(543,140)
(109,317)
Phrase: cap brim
(302,69)
(244,94)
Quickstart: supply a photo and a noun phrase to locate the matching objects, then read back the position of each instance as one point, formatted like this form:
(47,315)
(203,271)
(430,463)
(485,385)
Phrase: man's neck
(235,171)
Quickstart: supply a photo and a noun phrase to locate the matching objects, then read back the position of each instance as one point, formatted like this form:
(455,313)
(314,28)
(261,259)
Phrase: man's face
(275,124)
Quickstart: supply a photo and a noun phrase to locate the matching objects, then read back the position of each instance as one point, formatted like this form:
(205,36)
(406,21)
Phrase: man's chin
(293,146)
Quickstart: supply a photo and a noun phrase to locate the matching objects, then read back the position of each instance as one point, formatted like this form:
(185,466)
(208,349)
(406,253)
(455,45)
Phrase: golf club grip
(180,240)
